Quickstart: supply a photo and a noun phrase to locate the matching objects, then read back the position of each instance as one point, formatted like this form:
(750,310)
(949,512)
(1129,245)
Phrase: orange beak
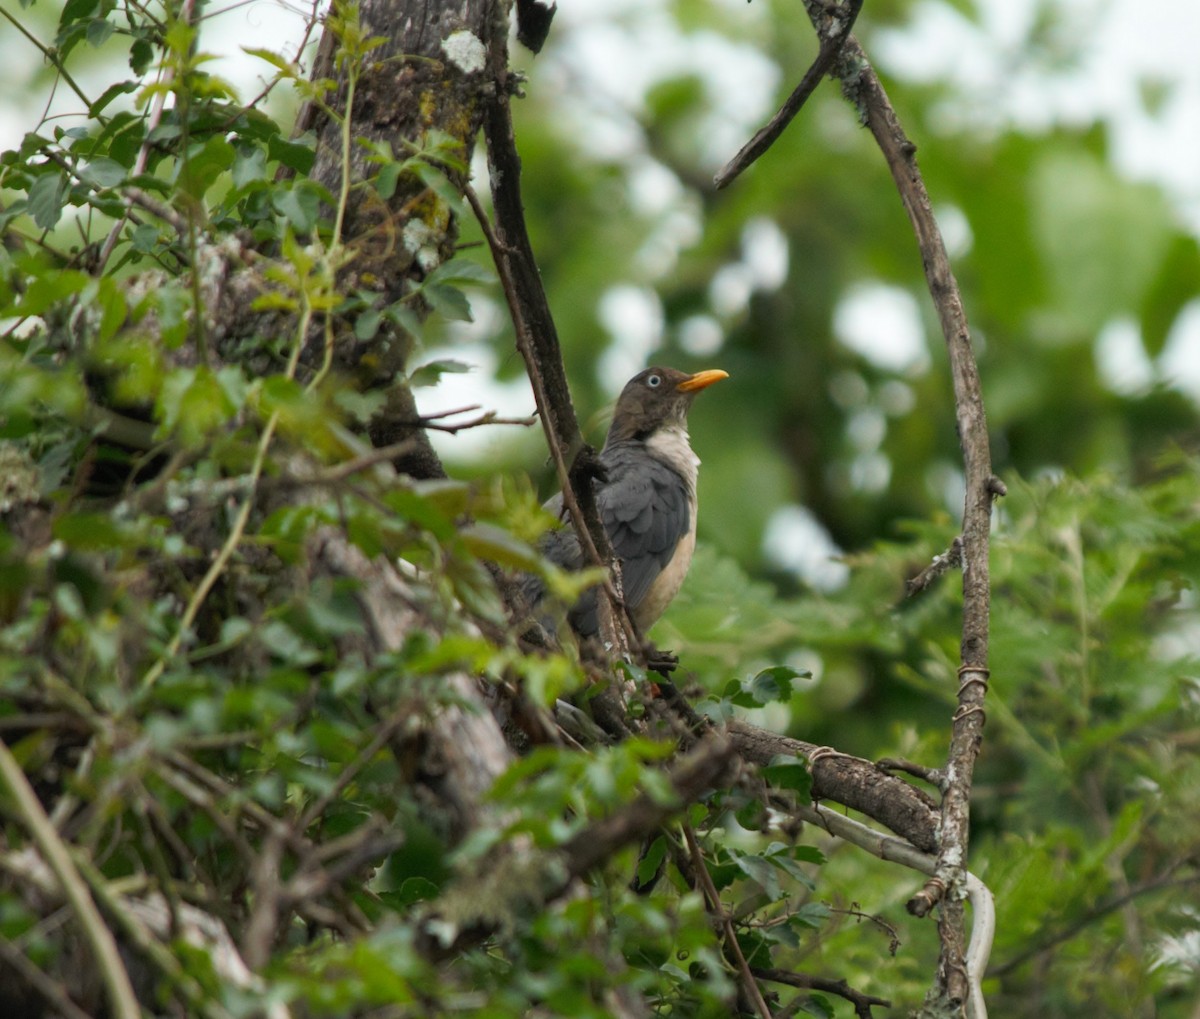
(701,380)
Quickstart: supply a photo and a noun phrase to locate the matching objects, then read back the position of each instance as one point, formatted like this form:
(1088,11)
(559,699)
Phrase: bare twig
(490,417)
(934,776)
(537,340)
(594,542)
(807,981)
(95,931)
(765,137)
(951,559)
(862,86)
(886,847)
(713,898)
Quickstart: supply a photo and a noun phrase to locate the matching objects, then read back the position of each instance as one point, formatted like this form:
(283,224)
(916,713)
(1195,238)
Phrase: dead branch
(862,1002)
(831,44)
(862,86)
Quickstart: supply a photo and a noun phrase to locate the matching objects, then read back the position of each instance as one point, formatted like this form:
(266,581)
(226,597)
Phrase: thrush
(646,499)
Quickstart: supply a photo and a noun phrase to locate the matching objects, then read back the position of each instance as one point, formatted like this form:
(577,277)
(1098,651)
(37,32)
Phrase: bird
(646,499)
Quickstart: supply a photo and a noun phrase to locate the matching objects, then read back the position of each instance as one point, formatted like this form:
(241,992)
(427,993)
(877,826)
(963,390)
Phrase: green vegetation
(231,635)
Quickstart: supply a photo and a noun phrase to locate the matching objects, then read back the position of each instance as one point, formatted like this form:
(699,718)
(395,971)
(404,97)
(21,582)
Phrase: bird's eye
(653,381)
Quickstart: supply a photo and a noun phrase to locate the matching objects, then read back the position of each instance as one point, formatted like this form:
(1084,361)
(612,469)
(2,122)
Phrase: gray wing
(645,511)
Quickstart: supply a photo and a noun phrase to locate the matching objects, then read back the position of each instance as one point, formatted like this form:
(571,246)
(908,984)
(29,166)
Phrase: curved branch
(767,135)
(57,856)
(862,86)
(847,780)
(537,341)
(983,907)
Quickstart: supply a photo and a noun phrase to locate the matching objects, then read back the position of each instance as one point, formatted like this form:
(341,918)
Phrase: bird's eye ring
(653,381)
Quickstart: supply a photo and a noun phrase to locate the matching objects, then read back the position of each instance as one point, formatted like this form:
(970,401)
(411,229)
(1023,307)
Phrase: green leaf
(141,53)
(367,323)
(47,195)
(818,1005)
(204,164)
(99,31)
(250,165)
(121,88)
(789,773)
(487,541)
(295,155)
(761,872)
(430,373)
(1176,283)
(462,270)
(193,403)
(448,301)
(301,205)
(103,172)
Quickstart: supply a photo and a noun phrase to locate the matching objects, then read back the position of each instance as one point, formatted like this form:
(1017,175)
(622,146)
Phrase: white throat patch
(671,445)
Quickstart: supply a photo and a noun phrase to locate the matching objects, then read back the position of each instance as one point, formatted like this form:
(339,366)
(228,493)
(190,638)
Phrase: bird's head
(657,398)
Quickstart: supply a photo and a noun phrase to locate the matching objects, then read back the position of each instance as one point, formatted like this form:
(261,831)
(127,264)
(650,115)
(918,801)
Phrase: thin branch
(951,559)
(862,86)
(713,898)
(807,981)
(851,781)
(766,136)
(99,938)
(886,847)
(595,544)
(537,339)
(490,417)
(934,776)
(51,56)
(1068,932)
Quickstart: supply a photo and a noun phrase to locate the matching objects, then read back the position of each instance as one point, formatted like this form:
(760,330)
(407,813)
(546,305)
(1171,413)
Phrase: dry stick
(807,981)
(96,933)
(1163,881)
(531,310)
(714,904)
(765,137)
(595,543)
(968,719)
(886,847)
(862,86)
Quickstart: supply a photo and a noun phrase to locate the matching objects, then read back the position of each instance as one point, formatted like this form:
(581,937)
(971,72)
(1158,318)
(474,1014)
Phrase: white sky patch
(765,253)
(1179,363)
(1121,359)
(944,482)
(1000,80)
(679,229)
(883,324)
(653,189)
(604,56)
(478,386)
(956,230)
(848,389)
(896,398)
(701,335)
(796,541)
(730,288)
(870,472)
(634,318)
(866,429)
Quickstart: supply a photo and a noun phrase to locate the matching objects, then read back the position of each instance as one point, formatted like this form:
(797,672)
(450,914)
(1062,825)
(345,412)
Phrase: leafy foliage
(184,683)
